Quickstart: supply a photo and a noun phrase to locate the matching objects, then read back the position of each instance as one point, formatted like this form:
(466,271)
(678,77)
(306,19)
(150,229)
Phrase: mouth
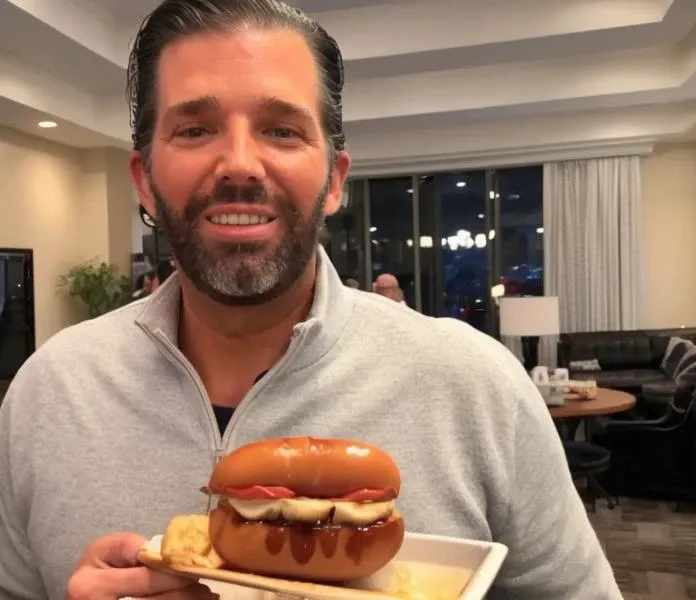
(239,227)
(240,219)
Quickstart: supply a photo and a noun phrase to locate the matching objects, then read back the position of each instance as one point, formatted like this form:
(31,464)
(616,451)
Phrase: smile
(239,219)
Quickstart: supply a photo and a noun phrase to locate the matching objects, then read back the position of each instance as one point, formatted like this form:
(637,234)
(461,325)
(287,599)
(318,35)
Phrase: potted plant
(100,287)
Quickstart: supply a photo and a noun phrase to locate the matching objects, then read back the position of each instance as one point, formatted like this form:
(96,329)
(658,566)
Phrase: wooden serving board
(299,589)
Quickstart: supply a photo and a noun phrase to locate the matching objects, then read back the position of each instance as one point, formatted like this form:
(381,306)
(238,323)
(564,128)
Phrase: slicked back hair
(174,20)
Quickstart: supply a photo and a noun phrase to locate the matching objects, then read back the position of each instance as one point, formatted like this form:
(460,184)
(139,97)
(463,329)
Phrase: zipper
(179,360)
(221,441)
(295,343)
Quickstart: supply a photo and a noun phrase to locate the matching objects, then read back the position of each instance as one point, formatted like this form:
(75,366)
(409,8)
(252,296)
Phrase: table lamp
(529,317)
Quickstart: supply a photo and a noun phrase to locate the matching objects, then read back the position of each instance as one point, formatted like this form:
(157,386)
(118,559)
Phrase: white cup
(561,375)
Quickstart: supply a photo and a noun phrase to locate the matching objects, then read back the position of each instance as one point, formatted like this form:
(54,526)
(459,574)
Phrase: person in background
(387,285)
(352,283)
(164,269)
(148,282)
(143,286)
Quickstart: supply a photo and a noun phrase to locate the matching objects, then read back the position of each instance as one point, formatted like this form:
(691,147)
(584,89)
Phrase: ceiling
(446,82)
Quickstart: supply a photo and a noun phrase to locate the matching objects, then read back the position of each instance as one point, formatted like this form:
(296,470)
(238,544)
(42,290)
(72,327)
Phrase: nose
(240,161)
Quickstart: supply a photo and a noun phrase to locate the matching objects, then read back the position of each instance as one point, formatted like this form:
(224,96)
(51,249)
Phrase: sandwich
(309,509)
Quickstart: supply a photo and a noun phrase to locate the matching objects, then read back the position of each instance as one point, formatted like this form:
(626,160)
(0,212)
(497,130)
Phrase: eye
(282,133)
(194,132)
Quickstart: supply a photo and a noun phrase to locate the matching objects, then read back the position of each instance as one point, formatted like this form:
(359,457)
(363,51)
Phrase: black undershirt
(223,414)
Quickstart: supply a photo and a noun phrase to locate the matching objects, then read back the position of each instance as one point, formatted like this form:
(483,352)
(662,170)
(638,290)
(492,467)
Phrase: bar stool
(587,460)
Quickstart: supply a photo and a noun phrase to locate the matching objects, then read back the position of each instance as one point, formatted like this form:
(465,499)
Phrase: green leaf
(99,287)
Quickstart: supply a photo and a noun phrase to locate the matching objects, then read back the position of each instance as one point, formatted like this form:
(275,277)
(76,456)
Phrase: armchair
(655,458)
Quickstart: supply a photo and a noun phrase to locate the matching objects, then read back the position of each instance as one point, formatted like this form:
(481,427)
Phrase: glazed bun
(305,508)
(294,551)
(313,468)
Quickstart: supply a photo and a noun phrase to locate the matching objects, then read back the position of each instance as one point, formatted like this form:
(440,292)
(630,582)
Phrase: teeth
(239,219)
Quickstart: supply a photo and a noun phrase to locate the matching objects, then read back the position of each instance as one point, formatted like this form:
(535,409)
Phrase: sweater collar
(331,307)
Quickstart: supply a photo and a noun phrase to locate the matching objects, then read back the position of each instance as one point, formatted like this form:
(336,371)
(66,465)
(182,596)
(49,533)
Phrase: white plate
(428,567)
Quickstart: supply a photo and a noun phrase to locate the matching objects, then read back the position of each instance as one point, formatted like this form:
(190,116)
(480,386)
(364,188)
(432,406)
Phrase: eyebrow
(192,108)
(283,108)
(206,104)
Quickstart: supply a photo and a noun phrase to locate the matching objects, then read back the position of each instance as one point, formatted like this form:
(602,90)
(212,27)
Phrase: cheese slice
(310,510)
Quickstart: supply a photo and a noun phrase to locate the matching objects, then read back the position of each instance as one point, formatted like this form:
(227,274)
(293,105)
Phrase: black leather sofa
(653,447)
(629,360)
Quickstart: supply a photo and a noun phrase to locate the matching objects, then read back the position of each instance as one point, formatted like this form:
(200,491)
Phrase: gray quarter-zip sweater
(108,427)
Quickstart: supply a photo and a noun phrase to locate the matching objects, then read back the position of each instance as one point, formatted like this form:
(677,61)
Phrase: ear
(339,174)
(141,180)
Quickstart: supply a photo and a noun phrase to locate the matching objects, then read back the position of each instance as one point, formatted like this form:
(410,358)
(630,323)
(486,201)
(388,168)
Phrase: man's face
(241,174)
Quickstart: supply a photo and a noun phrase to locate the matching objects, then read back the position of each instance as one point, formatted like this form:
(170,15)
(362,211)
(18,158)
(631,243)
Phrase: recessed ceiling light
(47,124)
(461,183)
(410,190)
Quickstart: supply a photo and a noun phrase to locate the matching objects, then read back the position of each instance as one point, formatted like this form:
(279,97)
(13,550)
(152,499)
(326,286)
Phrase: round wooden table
(606,403)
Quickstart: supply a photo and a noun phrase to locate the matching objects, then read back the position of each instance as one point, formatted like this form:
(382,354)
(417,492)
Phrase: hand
(109,570)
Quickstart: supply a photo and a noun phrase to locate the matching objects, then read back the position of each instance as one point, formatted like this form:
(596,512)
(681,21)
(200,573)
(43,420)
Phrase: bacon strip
(366,495)
(263,492)
(259,492)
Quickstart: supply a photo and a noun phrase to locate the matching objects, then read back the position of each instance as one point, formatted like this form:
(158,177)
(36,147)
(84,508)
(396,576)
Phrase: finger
(118,550)
(196,591)
(91,582)
(140,582)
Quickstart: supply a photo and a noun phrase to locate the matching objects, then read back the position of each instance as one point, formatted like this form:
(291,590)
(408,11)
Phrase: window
(391,232)
(473,230)
(521,258)
(454,215)
(345,234)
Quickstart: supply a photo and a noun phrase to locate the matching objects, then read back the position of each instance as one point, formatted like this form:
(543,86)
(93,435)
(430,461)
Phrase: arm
(19,575)
(554,551)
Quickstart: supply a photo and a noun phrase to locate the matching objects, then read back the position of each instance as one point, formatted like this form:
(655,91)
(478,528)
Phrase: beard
(242,274)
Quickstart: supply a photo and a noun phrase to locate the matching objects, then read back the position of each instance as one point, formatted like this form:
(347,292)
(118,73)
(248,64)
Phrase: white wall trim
(408,165)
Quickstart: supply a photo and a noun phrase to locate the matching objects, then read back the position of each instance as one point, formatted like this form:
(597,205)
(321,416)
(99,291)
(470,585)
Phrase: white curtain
(593,251)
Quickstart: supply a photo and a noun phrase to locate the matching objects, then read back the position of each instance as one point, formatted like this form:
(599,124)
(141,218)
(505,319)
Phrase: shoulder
(470,371)
(447,342)
(77,348)
(114,328)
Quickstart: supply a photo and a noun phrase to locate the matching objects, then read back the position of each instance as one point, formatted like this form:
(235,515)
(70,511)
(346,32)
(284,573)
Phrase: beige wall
(669,201)
(68,206)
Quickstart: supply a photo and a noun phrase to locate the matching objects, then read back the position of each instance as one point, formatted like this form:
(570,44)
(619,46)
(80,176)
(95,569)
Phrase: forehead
(239,68)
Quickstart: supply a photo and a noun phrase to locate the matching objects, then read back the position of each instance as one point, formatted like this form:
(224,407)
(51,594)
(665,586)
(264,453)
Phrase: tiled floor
(652,548)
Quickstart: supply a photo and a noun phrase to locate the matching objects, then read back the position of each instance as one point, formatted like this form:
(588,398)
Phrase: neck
(226,343)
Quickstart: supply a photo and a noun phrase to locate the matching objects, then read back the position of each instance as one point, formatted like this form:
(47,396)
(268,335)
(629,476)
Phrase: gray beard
(242,274)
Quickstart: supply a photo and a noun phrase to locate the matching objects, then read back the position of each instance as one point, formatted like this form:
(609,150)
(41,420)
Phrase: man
(162,273)
(143,286)
(149,282)
(115,423)
(387,285)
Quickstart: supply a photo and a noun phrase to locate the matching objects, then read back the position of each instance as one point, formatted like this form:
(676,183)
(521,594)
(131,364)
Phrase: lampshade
(529,316)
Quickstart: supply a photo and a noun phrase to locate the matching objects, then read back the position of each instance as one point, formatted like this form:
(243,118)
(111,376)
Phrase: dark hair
(164,270)
(175,19)
(140,281)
